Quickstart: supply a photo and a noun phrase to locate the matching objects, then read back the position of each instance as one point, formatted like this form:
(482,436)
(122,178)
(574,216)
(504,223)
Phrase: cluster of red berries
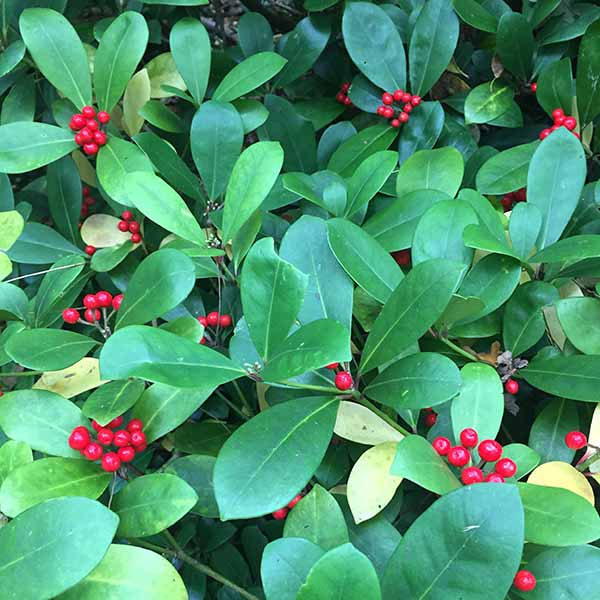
(89,136)
(560,120)
(576,440)
(281,513)
(92,304)
(127,442)
(88,200)
(525,581)
(511,386)
(388,111)
(508,200)
(214,319)
(489,451)
(342,95)
(128,224)
(402,257)
(343,379)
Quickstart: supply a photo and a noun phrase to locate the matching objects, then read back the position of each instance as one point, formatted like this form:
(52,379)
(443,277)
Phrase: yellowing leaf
(358,424)
(162,71)
(102,231)
(80,377)
(370,484)
(5,266)
(11,227)
(563,475)
(86,171)
(136,95)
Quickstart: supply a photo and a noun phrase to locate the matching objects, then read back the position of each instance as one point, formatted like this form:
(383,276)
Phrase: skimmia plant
(299,300)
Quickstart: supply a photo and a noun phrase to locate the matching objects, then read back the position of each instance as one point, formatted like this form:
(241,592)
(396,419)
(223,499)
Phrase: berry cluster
(128,224)
(525,581)
(343,379)
(214,319)
(390,106)
(576,440)
(281,513)
(508,200)
(560,120)
(89,135)
(92,304)
(127,442)
(342,95)
(489,451)
(88,200)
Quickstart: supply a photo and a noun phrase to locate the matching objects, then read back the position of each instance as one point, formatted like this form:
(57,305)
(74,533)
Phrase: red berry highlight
(343,381)
(91,315)
(295,501)
(134,425)
(138,438)
(431,419)
(70,315)
(489,450)
(79,438)
(93,451)
(212,318)
(103,117)
(458,456)
(104,299)
(225,321)
(123,226)
(116,302)
(575,440)
(89,112)
(524,581)
(494,478)
(126,454)
(105,436)
(511,386)
(281,514)
(469,437)
(111,462)
(471,475)
(387,98)
(121,438)
(506,467)
(89,250)
(441,445)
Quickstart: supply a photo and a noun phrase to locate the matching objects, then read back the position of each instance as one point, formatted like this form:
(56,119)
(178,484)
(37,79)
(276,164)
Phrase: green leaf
(578,247)
(477,552)
(162,280)
(162,204)
(58,52)
(555,87)
(480,238)
(480,404)
(252,112)
(40,245)
(343,572)
(318,519)
(149,504)
(112,400)
(272,294)
(197,471)
(557,517)
(248,75)
(13,302)
(254,34)
(52,546)
(49,478)
(11,57)
(579,319)
(106,259)
(474,14)
(269,459)
(417,461)
(134,572)
(555,181)
(487,101)
(64,197)
(426,125)
(217,134)
(48,349)
(12,456)
(524,227)
(547,435)
(122,46)
(515,44)
(374,45)
(252,178)
(412,308)
(162,117)
(523,324)
(364,259)
(162,408)
(440,170)
(432,44)
(162,357)
(190,47)
(416,381)
(588,66)
(27,146)
(11,227)
(525,458)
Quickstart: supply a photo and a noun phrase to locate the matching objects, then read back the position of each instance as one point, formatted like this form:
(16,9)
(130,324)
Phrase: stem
(180,554)
(44,272)
(243,398)
(231,405)
(22,374)
(588,461)
(314,388)
(458,349)
(380,413)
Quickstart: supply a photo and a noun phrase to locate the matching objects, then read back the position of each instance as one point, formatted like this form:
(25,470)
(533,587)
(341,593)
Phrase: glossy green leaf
(264,464)
(13,455)
(578,247)
(426,125)
(162,117)
(555,87)
(474,14)
(64,197)
(11,57)
(112,400)
(39,244)
(197,471)
(254,34)
(524,227)
(579,319)
(525,458)
(252,112)
(515,44)
(588,66)
(12,225)
(13,302)
(547,435)
(487,101)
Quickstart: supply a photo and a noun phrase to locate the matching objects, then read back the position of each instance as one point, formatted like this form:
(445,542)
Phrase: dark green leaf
(579,319)
(515,44)
(254,34)
(474,14)
(112,400)
(524,227)
(11,57)
(588,67)
(578,247)
(197,471)
(64,197)
(555,87)
(13,302)
(487,101)
(547,435)
(426,123)
(162,117)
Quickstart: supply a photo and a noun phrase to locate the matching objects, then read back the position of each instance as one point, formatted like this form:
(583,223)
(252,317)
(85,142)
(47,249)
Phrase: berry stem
(243,398)
(44,272)
(457,349)
(588,461)
(21,373)
(360,398)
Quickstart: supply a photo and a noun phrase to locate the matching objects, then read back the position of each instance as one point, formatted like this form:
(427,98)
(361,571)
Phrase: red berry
(134,425)
(381,111)
(340,97)
(407,107)
(93,451)
(86,135)
(70,315)
(458,456)
(506,202)
(430,419)
(116,422)
(225,321)
(557,113)
(100,138)
(92,125)
(524,581)
(89,200)
(554,128)
(332,366)
(387,98)
(127,215)
(545,133)
(534,87)
(104,299)
(406,97)
(506,467)
(441,445)
(88,112)
(395,123)
(576,135)
(489,450)
(111,462)
(575,440)
(388,113)
(103,117)
(105,436)
(415,100)
(134,227)
(89,250)
(85,190)
(121,438)
(345,87)
(212,318)
(96,425)
(90,149)
(116,303)
(90,301)
(123,226)
(559,121)
(511,386)
(343,381)
(202,341)
(398,95)
(570,123)
(79,139)
(469,437)
(91,315)
(402,257)
(403,117)
(136,238)
(202,321)
(138,438)
(521,195)
(126,454)
(471,475)
(347,101)
(78,120)
(295,501)
(280,514)
(494,478)
(79,438)
(85,209)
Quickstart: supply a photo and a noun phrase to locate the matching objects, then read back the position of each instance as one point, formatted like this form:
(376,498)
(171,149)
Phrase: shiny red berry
(295,501)
(92,125)
(202,321)
(534,87)
(395,123)
(430,419)
(89,200)
(123,226)
(340,97)
(79,438)
(126,454)
(511,386)
(89,250)
(471,475)
(78,120)
(88,112)
(70,315)
(524,581)
(332,366)
(111,462)
(489,450)
(494,478)
(91,315)
(90,301)
(557,113)
(441,445)
(575,440)
(559,121)
(127,215)
(100,138)
(345,87)
(403,117)
(134,425)
(381,111)
(570,123)
(225,321)
(469,437)
(121,438)
(415,100)
(79,139)
(347,101)
(398,94)
(202,341)
(96,425)
(90,149)
(408,107)
(506,467)
(116,303)
(212,318)
(136,238)
(458,456)
(406,97)
(280,514)
(138,438)
(105,436)
(388,113)
(387,98)
(116,422)
(134,227)
(103,117)
(104,299)
(93,451)
(86,135)
(343,381)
